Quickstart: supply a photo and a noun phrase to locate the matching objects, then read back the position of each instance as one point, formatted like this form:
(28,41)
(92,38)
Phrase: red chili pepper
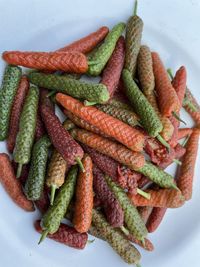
(155,219)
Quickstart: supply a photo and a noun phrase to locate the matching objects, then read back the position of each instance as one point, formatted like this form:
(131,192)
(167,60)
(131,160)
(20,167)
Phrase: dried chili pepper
(11,79)
(155,219)
(12,185)
(145,212)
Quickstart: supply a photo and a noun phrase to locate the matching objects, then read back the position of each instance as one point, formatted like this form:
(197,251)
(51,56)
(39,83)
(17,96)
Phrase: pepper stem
(178,118)
(88,103)
(170,73)
(175,187)
(135,8)
(53,92)
(124,230)
(163,142)
(177,161)
(79,162)
(185,141)
(144,194)
(19,170)
(43,236)
(53,191)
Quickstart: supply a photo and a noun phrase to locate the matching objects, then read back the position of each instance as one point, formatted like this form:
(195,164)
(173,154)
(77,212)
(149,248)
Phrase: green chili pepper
(10,84)
(27,125)
(104,51)
(35,182)
(92,92)
(132,218)
(157,175)
(52,219)
(116,239)
(133,41)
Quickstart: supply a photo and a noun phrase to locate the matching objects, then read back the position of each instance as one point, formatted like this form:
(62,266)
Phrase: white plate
(172,29)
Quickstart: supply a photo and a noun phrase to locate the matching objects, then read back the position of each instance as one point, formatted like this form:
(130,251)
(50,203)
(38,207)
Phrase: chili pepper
(111,206)
(27,125)
(72,62)
(95,232)
(184,132)
(84,198)
(16,111)
(35,183)
(113,69)
(133,160)
(56,173)
(112,127)
(105,50)
(191,106)
(128,117)
(145,213)
(179,83)
(11,79)
(87,43)
(60,138)
(24,174)
(147,245)
(12,185)
(116,239)
(83,124)
(66,235)
(52,218)
(186,175)
(131,216)
(168,102)
(90,91)
(133,41)
(163,198)
(155,219)
(43,203)
(157,175)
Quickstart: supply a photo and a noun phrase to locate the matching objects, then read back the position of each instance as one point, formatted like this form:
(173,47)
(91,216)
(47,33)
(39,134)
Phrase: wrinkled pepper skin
(133,41)
(60,138)
(27,125)
(111,206)
(8,90)
(16,111)
(149,118)
(35,183)
(66,235)
(12,185)
(52,218)
(104,51)
(90,91)
(84,197)
(72,62)
(115,239)
(131,216)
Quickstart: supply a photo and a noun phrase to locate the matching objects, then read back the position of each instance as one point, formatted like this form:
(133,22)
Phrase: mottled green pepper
(52,218)
(8,90)
(104,51)
(132,218)
(35,182)
(129,117)
(115,239)
(27,125)
(148,117)
(157,175)
(90,91)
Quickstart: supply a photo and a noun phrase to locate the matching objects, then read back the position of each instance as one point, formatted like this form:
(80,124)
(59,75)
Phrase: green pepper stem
(135,8)
(163,142)
(43,236)
(53,92)
(170,73)
(144,194)
(178,118)
(80,164)
(185,141)
(177,161)
(88,103)
(53,191)
(175,187)
(124,230)
(19,170)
